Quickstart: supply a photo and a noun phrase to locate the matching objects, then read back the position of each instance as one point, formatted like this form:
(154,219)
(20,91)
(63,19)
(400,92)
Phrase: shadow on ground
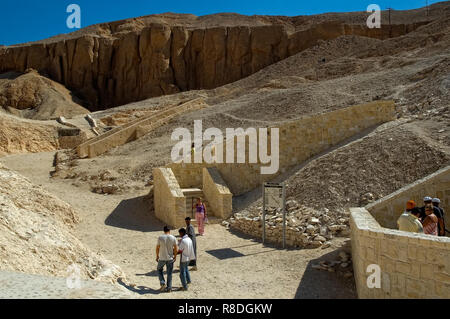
(319,284)
(154,273)
(225,253)
(240,234)
(142,290)
(134,214)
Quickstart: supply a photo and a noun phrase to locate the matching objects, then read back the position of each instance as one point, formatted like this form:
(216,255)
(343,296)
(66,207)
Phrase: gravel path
(25,286)
(230,265)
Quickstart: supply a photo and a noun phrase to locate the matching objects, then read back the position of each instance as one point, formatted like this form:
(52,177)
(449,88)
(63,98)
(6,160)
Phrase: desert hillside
(18,135)
(37,233)
(60,207)
(34,96)
(121,62)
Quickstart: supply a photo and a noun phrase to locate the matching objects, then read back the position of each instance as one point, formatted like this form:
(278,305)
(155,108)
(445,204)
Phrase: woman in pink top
(200,216)
(430,223)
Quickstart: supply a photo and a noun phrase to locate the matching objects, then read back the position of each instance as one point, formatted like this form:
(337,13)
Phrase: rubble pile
(305,227)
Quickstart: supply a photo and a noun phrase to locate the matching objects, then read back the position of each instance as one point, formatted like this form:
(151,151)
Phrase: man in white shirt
(186,249)
(166,255)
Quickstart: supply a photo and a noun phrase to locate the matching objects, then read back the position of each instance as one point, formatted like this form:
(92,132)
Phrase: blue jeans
(184,274)
(169,266)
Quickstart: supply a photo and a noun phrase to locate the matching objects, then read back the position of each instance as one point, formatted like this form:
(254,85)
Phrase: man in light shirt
(166,255)
(186,249)
(409,220)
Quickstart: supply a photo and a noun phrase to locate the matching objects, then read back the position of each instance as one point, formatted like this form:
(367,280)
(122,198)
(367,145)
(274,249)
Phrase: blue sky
(31,20)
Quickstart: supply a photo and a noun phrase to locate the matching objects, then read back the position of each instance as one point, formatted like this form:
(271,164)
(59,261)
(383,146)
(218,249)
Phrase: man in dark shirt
(441,223)
(428,201)
(190,231)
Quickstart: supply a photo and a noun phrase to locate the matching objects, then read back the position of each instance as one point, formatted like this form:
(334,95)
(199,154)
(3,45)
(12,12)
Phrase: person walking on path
(190,230)
(430,223)
(409,220)
(200,216)
(166,255)
(186,250)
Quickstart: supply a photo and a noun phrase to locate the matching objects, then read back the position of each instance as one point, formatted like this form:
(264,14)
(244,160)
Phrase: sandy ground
(231,265)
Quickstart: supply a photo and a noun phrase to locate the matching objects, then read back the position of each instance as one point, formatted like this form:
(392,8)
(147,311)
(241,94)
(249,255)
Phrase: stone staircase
(191,195)
(135,129)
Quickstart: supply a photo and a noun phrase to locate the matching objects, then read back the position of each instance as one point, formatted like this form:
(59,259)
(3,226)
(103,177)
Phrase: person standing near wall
(191,233)
(409,220)
(441,219)
(200,216)
(427,201)
(430,223)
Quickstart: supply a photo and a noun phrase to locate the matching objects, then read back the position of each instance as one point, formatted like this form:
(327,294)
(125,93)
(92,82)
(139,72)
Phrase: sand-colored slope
(412,70)
(36,233)
(379,164)
(31,95)
(22,136)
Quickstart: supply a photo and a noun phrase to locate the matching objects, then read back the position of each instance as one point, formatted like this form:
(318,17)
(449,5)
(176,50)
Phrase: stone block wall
(412,265)
(169,201)
(71,142)
(135,129)
(217,193)
(387,210)
(299,140)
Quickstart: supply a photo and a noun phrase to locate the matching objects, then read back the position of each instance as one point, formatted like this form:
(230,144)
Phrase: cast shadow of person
(141,290)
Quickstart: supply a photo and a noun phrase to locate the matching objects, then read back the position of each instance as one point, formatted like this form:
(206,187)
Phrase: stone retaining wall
(299,140)
(169,201)
(135,129)
(412,265)
(217,193)
(387,210)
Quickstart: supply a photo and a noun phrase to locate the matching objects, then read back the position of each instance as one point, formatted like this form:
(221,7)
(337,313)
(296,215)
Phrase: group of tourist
(168,248)
(428,219)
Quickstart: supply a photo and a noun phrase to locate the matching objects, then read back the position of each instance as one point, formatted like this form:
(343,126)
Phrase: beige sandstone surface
(34,96)
(131,60)
(22,136)
(37,233)
(305,66)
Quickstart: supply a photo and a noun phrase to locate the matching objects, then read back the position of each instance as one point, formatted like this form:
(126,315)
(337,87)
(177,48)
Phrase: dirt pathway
(230,265)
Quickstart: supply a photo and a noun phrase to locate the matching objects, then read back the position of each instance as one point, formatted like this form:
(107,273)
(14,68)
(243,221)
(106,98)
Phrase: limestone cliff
(114,67)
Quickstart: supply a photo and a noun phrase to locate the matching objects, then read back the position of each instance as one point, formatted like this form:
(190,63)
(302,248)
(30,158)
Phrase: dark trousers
(194,262)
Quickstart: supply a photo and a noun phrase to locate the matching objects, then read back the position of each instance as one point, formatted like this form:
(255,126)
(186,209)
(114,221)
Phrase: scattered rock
(326,245)
(310,229)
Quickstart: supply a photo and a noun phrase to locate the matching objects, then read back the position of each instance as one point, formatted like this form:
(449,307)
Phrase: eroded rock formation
(158,59)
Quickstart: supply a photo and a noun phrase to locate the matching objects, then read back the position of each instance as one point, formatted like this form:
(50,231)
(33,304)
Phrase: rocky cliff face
(158,59)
